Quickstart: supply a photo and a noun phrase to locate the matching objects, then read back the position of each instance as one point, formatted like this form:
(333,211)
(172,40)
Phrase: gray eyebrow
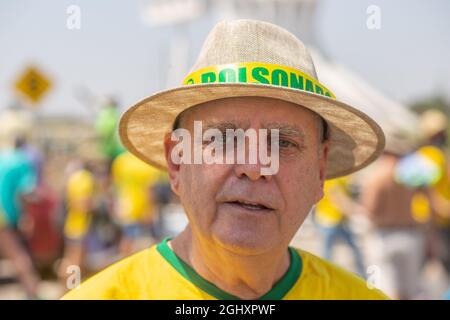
(286,129)
(223,125)
(283,128)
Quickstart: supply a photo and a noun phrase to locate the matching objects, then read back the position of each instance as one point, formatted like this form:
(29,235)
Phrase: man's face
(234,205)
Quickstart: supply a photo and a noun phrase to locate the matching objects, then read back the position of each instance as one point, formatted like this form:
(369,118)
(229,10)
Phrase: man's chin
(244,243)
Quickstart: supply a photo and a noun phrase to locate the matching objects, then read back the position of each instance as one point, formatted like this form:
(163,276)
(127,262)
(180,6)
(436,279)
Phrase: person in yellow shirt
(431,205)
(436,202)
(257,78)
(80,190)
(158,273)
(135,208)
(331,214)
(429,172)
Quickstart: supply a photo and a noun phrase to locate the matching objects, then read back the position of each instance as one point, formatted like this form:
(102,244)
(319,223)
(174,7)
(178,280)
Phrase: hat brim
(355,139)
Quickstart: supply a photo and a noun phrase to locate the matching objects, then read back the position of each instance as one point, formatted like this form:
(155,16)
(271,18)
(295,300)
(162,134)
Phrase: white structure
(355,91)
(171,12)
(296,16)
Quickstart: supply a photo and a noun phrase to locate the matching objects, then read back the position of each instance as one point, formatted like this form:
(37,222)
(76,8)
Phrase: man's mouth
(249,205)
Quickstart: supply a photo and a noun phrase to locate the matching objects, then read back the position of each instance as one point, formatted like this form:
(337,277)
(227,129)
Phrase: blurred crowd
(109,207)
(106,208)
(405,197)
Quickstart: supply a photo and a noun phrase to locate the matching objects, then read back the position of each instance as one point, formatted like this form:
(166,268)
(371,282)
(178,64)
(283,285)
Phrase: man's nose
(251,171)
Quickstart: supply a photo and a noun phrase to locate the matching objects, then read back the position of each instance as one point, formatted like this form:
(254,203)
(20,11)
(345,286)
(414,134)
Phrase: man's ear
(173,169)
(323,161)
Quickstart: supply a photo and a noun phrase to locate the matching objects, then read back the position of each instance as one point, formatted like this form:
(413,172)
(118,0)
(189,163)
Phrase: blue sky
(116,53)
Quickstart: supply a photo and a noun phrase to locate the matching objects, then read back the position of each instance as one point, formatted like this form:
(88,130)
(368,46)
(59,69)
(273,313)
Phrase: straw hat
(253,58)
(432,122)
(399,142)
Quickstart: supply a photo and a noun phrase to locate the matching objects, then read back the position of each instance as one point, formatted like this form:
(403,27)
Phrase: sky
(115,52)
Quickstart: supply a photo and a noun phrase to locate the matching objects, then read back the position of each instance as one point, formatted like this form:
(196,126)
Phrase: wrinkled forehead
(246,112)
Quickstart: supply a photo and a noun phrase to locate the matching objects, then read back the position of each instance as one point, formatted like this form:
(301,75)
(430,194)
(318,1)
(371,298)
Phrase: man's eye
(286,144)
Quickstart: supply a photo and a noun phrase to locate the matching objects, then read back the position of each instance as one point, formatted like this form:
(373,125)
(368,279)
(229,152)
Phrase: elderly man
(251,76)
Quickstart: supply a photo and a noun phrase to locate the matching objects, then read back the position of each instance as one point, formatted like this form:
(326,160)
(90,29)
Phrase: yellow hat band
(258,72)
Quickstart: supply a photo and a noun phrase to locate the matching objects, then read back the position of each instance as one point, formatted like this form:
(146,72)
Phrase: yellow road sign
(33,84)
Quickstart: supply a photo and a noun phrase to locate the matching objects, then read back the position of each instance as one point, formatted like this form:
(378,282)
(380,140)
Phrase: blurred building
(297,16)
(61,140)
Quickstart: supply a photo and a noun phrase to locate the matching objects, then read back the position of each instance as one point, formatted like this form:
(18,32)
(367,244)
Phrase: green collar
(278,291)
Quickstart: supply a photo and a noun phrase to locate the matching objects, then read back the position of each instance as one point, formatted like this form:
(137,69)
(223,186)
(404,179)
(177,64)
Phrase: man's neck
(247,277)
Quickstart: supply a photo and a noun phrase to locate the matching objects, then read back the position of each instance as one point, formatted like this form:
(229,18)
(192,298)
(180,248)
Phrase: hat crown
(253,41)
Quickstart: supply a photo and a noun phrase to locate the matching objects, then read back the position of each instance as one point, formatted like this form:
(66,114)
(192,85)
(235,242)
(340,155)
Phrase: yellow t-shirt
(441,186)
(157,273)
(327,212)
(133,179)
(420,207)
(80,187)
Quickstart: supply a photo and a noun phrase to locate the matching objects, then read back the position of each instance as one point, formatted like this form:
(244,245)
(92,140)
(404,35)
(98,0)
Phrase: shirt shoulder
(118,280)
(322,280)
(146,275)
